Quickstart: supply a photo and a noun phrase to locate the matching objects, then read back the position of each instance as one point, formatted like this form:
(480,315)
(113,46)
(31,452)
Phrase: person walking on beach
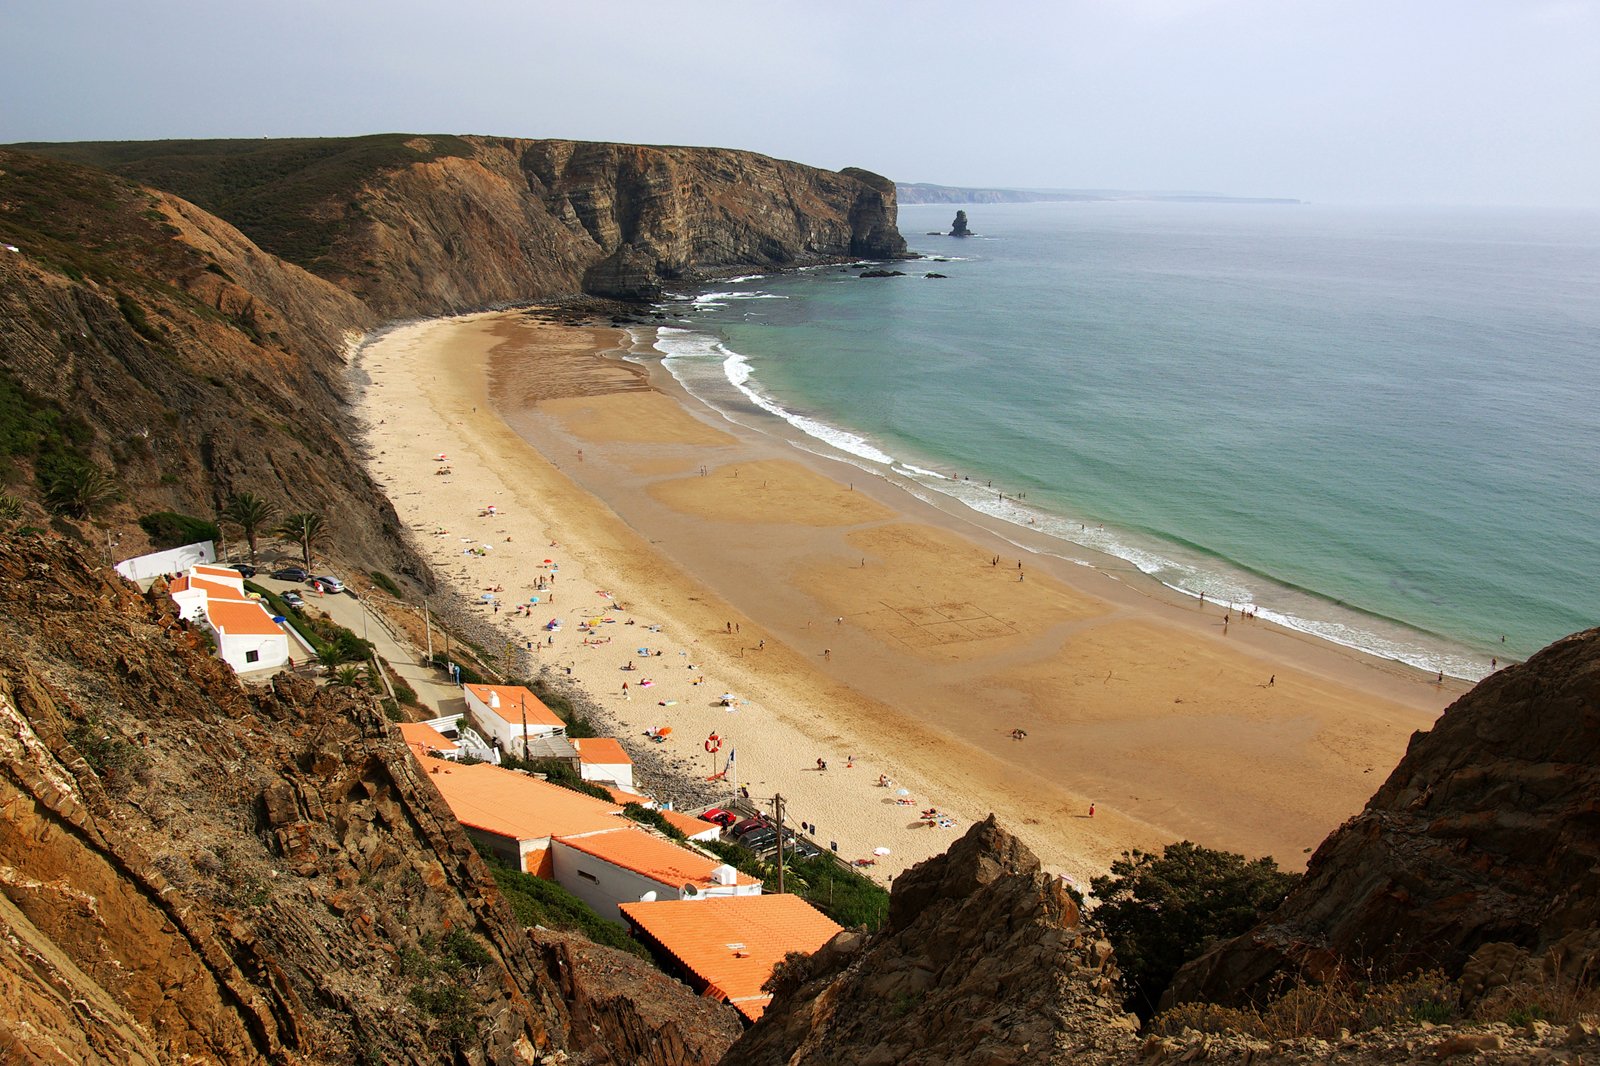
(1091,810)
(827,653)
(1273,680)
(625,691)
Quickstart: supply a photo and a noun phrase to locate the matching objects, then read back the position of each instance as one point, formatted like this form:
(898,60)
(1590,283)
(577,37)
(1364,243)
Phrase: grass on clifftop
(291,196)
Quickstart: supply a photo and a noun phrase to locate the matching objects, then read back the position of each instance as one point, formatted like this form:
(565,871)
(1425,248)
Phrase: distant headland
(924,193)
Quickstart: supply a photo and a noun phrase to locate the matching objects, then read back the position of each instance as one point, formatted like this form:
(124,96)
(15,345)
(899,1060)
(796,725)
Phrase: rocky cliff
(194,360)
(428,225)
(1487,833)
(983,960)
(195,871)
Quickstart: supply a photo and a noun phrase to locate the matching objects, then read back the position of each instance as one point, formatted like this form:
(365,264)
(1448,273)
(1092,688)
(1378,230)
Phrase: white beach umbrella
(880,850)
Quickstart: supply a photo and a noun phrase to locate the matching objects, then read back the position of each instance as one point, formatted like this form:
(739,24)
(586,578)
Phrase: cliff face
(205,362)
(1487,833)
(429,225)
(983,959)
(200,365)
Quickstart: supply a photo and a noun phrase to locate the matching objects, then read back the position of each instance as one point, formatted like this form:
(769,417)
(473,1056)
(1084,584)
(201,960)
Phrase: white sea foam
(708,298)
(737,369)
(746,277)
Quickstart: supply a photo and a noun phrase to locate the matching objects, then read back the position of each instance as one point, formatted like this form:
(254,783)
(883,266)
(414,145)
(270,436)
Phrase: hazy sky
(1352,101)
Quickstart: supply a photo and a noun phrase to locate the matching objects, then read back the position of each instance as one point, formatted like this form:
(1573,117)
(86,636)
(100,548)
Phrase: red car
(718,816)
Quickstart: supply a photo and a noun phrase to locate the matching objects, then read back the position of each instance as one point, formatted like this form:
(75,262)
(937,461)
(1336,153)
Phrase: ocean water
(1381,427)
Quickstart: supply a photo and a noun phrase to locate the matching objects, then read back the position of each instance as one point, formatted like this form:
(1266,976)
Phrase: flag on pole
(729,768)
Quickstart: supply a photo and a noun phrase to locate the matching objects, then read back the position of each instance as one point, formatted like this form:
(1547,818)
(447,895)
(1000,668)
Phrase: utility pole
(777,813)
(427,627)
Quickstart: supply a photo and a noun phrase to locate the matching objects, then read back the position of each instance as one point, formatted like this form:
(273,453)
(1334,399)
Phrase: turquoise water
(1380,427)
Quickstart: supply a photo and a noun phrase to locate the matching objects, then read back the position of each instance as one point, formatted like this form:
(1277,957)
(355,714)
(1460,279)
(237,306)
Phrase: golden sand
(850,619)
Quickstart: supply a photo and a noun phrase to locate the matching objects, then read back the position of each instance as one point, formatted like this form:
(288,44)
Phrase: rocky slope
(983,960)
(428,225)
(191,870)
(1484,841)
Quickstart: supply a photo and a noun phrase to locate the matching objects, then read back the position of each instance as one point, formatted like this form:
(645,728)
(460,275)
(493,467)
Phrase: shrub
(386,583)
(646,816)
(536,901)
(1160,911)
(168,529)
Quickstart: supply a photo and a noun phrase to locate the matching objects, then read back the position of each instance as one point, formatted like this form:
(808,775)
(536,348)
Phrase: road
(430,684)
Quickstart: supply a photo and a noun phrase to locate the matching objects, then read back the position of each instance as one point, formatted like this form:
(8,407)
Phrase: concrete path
(432,687)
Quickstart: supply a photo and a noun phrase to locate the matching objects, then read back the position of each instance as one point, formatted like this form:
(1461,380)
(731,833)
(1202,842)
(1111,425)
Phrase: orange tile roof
(515,805)
(421,734)
(216,571)
(732,943)
(514,700)
(622,796)
(183,583)
(238,617)
(655,858)
(605,751)
(688,825)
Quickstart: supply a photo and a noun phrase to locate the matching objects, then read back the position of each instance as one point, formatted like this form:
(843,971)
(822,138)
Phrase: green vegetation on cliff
(293,196)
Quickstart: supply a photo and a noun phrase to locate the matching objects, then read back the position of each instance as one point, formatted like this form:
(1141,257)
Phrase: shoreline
(924,688)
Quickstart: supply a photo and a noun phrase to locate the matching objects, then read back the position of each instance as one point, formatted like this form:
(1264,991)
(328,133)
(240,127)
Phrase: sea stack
(958,228)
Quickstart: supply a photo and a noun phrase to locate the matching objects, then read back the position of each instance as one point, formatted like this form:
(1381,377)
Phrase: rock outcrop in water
(983,960)
(1487,833)
(958,228)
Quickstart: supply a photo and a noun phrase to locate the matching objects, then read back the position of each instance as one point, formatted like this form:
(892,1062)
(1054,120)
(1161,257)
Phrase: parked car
(245,569)
(329,583)
(294,599)
(761,839)
(291,573)
(718,816)
(758,822)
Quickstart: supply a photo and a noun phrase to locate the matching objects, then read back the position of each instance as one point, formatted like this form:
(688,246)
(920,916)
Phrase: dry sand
(868,623)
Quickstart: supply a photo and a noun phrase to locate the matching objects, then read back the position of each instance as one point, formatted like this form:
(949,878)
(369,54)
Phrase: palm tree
(76,488)
(346,677)
(306,529)
(250,513)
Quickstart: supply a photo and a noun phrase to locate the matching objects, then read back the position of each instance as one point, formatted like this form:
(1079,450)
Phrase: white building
(172,561)
(508,712)
(602,760)
(623,866)
(247,637)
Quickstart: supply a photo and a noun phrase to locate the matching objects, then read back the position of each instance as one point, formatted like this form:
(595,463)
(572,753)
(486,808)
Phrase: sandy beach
(856,624)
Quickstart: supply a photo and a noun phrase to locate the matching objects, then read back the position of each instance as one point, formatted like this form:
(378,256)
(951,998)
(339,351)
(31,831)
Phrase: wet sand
(868,623)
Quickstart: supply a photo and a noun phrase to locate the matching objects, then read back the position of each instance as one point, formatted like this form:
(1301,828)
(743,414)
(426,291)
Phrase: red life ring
(713,743)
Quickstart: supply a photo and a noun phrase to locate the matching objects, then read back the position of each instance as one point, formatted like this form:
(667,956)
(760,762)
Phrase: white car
(328,583)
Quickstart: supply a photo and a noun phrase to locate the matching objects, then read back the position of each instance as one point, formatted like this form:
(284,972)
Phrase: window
(252,656)
(587,876)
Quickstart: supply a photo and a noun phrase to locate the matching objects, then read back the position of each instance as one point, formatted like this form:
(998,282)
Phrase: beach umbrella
(880,850)
(728,697)
(486,597)
(549,560)
(533,599)
(902,792)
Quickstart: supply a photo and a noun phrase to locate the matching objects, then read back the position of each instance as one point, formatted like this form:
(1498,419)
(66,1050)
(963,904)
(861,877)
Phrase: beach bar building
(517,816)
(606,869)
(602,760)
(507,713)
(726,949)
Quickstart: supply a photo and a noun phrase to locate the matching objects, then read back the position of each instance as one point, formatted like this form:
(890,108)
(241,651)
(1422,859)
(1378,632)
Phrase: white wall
(173,561)
(620,774)
(272,651)
(508,729)
(607,885)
